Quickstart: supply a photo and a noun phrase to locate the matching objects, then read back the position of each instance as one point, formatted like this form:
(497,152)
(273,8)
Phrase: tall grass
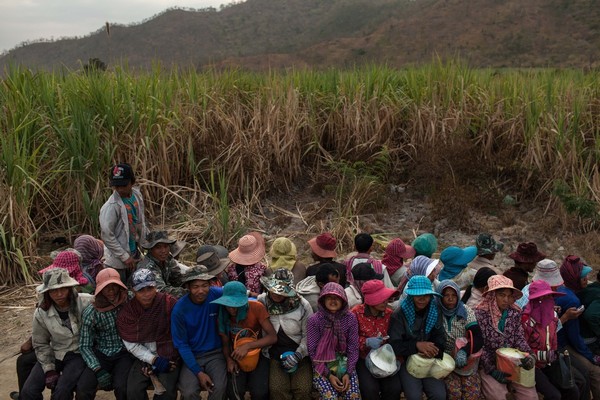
(60,133)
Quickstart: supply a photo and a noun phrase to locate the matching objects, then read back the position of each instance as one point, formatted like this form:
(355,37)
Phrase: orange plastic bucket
(249,362)
(508,360)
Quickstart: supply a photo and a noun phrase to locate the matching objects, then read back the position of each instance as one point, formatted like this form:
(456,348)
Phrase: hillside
(260,34)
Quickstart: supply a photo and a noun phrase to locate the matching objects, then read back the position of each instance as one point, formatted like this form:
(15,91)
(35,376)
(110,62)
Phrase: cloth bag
(561,371)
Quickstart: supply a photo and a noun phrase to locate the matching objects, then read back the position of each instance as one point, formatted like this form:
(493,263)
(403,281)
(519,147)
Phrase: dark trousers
(435,389)
(215,367)
(137,383)
(582,377)
(255,382)
(377,388)
(25,363)
(70,369)
(117,365)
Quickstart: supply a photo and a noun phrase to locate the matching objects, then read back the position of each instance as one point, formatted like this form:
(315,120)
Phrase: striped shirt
(99,331)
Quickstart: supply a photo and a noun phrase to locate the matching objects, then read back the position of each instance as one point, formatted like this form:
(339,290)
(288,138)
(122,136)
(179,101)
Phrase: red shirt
(370,326)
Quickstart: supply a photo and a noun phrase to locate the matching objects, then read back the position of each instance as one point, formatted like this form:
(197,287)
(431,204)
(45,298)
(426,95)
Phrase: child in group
(416,328)
(332,340)
(500,322)
(459,322)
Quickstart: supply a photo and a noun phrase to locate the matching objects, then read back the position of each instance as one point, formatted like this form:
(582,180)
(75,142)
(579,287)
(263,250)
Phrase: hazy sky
(22,20)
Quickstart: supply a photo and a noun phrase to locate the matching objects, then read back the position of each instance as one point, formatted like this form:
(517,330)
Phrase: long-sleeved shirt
(51,339)
(99,330)
(370,325)
(194,328)
(513,336)
(292,323)
(570,334)
(404,338)
(168,276)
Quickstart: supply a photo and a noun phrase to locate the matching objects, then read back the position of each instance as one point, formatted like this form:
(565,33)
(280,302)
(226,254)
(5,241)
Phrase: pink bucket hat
(68,260)
(375,292)
(323,245)
(497,282)
(250,250)
(106,277)
(540,288)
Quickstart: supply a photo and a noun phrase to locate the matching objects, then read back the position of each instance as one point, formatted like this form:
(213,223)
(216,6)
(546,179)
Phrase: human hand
(130,263)
(232,366)
(205,382)
(345,383)
(162,364)
(104,380)
(51,379)
(336,383)
(460,359)
(291,361)
(596,359)
(27,346)
(501,377)
(571,313)
(240,352)
(427,349)
(374,342)
(527,363)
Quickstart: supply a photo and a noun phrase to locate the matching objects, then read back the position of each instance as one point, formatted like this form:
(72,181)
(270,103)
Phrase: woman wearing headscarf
(332,340)
(459,322)
(395,254)
(416,327)
(574,273)
(283,255)
(55,337)
(474,293)
(500,322)
(290,373)
(420,265)
(92,251)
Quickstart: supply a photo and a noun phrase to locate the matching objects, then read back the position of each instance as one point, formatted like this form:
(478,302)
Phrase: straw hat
(497,282)
(323,245)
(250,250)
(56,278)
(106,277)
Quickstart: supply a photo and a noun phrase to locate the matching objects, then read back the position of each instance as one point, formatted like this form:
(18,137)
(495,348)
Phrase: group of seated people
(453,327)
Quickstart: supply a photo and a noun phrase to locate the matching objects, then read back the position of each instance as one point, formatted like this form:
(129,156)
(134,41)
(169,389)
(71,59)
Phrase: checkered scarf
(408,307)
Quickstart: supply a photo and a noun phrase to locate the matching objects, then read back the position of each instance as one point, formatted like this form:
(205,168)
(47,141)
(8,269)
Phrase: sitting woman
(373,322)
(540,323)
(333,345)
(236,313)
(55,337)
(416,328)
(283,255)
(459,322)
(474,293)
(500,322)
(246,263)
(92,251)
(290,373)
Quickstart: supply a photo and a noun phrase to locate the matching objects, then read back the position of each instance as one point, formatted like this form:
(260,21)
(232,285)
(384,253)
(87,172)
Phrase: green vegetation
(213,144)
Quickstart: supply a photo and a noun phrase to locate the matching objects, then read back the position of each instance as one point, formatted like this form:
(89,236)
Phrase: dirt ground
(405,216)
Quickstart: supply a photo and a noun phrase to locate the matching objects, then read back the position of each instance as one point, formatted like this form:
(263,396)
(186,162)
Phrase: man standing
(196,337)
(122,222)
(99,342)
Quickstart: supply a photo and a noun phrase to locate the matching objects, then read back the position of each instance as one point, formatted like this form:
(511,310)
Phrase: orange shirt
(257,312)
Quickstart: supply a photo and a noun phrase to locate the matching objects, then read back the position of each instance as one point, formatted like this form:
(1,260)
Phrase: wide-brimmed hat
(234,295)
(527,253)
(497,282)
(69,260)
(323,245)
(121,175)
(374,292)
(399,248)
(425,245)
(212,262)
(56,278)
(280,282)
(419,285)
(365,272)
(177,247)
(197,272)
(155,237)
(250,250)
(283,253)
(106,277)
(142,278)
(454,255)
(547,270)
(221,251)
(539,289)
(486,244)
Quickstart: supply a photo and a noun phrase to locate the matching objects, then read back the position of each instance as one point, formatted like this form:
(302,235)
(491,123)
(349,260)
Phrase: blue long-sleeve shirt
(194,328)
(570,333)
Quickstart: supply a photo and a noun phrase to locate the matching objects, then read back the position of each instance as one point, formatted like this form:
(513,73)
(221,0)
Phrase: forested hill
(263,34)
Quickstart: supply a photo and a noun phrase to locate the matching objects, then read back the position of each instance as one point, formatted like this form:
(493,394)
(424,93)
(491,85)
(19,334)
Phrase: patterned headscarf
(460,309)
(91,251)
(570,270)
(408,307)
(418,266)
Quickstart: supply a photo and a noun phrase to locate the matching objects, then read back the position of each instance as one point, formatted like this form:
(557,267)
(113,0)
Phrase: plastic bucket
(419,367)
(250,361)
(508,360)
(442,368)
(472,361)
